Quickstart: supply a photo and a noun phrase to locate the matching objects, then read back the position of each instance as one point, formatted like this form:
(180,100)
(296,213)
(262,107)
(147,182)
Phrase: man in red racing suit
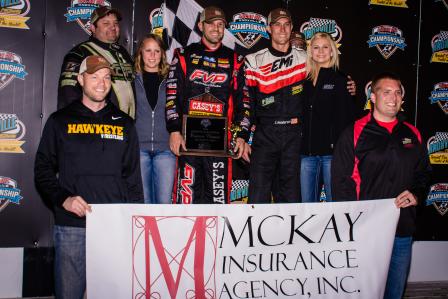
(203,81)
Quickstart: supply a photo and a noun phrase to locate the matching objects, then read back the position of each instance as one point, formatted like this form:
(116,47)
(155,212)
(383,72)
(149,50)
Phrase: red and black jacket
(371,163)
(196,71)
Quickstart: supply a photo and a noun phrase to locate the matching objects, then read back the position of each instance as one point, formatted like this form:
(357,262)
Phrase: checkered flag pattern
(180,19)
(316,22)
(7,122)
(440,136)
(443,35)
(239,184)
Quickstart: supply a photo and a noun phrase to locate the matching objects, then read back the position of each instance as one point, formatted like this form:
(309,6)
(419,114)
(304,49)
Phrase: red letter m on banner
(197,240)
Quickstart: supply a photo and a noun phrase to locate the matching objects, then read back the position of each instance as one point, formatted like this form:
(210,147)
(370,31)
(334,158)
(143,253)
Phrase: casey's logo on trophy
(206,129)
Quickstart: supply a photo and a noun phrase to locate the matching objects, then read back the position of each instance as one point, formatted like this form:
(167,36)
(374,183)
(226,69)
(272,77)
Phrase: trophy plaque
(205,136)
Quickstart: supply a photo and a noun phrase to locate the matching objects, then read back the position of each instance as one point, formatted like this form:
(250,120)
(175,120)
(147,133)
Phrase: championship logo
(10,67)
(394,3)
(439,45)
(13,13)
(248,27)
(387,39)
(8,192)
(438,197)
(156,21)
(80,11)
(438,148)
(439,95)
(368,92)
(315,25)
(182,265)
(12,130)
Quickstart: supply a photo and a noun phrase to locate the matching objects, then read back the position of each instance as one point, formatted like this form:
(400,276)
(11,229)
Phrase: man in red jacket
(381,156)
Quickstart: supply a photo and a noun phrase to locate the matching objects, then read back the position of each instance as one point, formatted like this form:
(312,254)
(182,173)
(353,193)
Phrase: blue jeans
(312,168)
(158,170)
(400,262)
(69,262)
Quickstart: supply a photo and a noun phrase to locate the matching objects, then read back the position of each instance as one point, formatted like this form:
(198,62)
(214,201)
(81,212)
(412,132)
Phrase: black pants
(203,180)
(275,158)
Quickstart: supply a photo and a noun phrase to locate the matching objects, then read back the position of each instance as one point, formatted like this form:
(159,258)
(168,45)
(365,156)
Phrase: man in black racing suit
(203,81)
(274,81)
(103,42)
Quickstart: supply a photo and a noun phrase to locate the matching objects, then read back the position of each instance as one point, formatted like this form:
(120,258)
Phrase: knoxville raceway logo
(315,25)
(12,130)
(438,148)
(439,45)
(13,13)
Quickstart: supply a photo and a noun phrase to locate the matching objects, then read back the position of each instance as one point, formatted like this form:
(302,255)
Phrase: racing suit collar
(279,53)
(104,45)
(209,49)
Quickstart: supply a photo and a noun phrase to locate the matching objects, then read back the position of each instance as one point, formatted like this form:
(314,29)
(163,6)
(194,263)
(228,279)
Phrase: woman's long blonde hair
(139,63)
(311,66)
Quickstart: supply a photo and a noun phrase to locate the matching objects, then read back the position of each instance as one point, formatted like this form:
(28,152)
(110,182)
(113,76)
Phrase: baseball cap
(212,13)
(277,14)
(93,63)
(103,11)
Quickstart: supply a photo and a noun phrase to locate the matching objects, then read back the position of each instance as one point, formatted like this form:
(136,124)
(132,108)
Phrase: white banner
(312,250)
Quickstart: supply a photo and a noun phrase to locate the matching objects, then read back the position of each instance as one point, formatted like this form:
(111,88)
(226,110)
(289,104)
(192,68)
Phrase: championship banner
(312,250)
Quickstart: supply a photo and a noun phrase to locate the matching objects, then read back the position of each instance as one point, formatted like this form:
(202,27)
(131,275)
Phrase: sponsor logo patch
(296,89)
(80,10)
(218,182)
(248,27)
(13,13)
(439,45)
(439,95)
(438,197)
(438,148)
(206,104)
(186,190)
(12,131)
(9,192)
(267,101)
(10,67)
(387,39)
(102,130)
(394,3)
(211,79)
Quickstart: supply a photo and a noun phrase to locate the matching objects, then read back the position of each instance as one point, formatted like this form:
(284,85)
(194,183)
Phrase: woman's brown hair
(139,64)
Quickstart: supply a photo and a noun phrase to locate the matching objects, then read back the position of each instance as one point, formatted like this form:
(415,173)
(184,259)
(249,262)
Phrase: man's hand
(351,86)
(405,199)
(239,147)
(247,152)
(176,141)
(77,205)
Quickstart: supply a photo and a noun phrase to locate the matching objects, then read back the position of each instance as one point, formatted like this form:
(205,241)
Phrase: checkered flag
(440,136)
(180,19)
(316,22)
(443,35)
